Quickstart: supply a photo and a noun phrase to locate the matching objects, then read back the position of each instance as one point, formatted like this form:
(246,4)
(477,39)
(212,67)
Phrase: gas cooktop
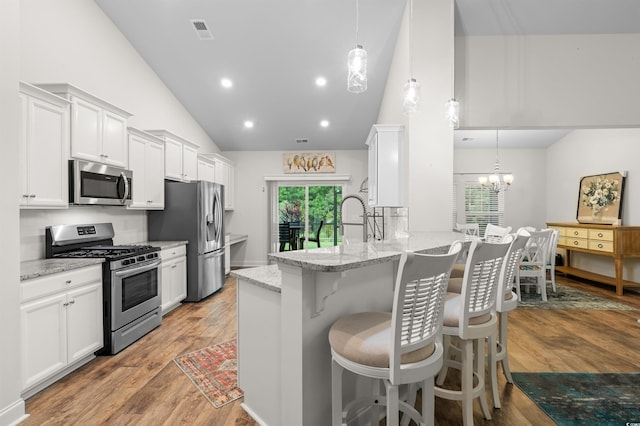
(109,252)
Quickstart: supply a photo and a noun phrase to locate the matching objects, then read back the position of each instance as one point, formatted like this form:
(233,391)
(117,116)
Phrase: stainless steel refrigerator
(194,211)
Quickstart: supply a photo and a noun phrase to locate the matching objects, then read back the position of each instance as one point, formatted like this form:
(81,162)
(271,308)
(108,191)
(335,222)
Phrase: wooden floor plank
(143,386)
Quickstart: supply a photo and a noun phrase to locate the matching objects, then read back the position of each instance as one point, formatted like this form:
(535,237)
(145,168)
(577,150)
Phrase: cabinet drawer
(601,234)
(576,233)
(49,284)
(170,253)
(601,245)
(577,242)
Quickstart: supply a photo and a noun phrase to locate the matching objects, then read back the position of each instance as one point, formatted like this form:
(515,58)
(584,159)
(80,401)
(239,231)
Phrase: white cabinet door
(86,131)
(173,159)
(114,139)
(43,326)
(138,165)
(206,171)
(154,185)
(189,163)
(386,161)
(44,143)
(167,286)
(180,279)
(84,321)
(146,160)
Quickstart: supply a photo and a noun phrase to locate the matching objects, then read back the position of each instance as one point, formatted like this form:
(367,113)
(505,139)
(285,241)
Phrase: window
(476,203)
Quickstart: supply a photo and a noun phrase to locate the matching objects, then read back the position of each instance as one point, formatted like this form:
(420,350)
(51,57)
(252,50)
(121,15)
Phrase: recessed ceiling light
(226,83)
(321,81)
(248,124)
(324,123)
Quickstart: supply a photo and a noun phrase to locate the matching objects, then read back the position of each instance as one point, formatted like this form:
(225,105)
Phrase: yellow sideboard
(617,242)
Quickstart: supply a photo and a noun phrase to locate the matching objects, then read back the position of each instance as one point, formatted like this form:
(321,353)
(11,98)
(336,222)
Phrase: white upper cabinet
(206,169)
(224,174)
(98,128)
(146,161)
(44,147)
(386,166)
(181,156)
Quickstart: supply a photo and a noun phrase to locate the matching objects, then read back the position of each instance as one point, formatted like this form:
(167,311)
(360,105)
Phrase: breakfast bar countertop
(264,276)
(357,255)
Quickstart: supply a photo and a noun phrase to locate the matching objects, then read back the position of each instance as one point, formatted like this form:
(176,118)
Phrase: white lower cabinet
(61,325)
(174,277)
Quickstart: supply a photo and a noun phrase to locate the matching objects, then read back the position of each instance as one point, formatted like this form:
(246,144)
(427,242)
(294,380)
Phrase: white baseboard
(13,414)
(253,415)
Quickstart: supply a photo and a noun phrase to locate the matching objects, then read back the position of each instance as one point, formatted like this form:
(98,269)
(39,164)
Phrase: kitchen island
(285,311)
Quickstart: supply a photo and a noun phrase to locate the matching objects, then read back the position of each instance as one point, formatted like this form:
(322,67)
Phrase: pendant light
(452,106)
(411,89)
(357,64)
(497,181)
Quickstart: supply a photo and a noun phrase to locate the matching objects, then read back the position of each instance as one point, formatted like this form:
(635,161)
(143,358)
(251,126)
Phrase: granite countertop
(164,244)
(263,276)
(37,268)
(357,255)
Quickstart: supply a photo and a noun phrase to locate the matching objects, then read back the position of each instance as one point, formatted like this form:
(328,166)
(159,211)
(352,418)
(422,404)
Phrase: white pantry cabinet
(146,161)
(60,324)
(44,147)
(386,166)
(174,277)
(181,156)
(98,128)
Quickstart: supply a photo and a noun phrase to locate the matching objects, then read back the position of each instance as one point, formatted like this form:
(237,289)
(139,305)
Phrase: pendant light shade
(411,96)
(357,67)
(452,108)
(357,64)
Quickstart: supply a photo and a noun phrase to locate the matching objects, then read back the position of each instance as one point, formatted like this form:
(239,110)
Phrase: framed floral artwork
(309,162)
(600,198)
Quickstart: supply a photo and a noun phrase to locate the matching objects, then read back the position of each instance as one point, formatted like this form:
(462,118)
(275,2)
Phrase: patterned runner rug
(584,398)
(214,372)
(568,298)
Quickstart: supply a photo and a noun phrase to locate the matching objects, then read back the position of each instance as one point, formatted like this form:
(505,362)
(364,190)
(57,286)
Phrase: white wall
(525,201)
(590,152)
(251,214)
(73,41)
(547,81)
(11,405)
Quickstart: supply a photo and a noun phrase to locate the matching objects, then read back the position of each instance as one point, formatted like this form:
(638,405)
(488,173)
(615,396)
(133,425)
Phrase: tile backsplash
(130,226)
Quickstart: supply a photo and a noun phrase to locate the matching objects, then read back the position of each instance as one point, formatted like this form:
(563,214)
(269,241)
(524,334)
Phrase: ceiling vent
(302,140)
(201,29)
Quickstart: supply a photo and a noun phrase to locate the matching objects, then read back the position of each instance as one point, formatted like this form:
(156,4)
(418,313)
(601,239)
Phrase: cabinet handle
(600,245)
(72,302)
(25,195)
(173,266)
(65,304)
(575,243)
(67,282)
(32,195)
(105,156)
(575,232)
(600,234)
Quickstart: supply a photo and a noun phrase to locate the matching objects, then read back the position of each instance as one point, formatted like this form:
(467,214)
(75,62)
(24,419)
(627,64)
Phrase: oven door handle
(134,271)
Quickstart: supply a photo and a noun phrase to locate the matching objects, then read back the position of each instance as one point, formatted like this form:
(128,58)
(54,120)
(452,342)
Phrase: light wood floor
(143,386)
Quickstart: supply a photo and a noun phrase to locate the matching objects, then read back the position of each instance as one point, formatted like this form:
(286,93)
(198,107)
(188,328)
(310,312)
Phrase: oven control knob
(140,258)
(126,262)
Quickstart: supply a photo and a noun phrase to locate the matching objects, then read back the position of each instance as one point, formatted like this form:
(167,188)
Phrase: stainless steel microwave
(99,184)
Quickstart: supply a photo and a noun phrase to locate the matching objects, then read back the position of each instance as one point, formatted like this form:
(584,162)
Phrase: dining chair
(400,347)
(315,238)
(284,236)
(469,319)
(494,233)
(471,231)
(533,264)
(551,259)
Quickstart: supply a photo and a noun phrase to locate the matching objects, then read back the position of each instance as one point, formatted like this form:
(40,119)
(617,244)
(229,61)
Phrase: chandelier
(357,64)
(497,181)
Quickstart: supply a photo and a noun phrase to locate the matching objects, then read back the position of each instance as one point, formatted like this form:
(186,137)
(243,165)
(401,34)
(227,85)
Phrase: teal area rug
(584,398)
(568,298)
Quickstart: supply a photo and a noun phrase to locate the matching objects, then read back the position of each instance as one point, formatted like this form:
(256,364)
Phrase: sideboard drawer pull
(600,234)
(600,245)
(575,232)
(575,243)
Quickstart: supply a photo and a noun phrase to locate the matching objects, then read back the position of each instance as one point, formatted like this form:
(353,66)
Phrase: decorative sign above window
(600,198)
(309,162)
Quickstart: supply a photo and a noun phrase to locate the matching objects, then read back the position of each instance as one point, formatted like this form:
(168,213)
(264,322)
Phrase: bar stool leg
(336,393)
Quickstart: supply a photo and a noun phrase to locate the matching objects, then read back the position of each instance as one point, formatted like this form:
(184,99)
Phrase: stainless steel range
(131,279)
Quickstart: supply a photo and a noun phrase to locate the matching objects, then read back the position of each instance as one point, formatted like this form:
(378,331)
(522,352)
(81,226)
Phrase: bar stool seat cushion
(365,338)
(452,312)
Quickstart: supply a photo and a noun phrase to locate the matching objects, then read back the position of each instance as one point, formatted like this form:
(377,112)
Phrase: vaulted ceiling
(274,51)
